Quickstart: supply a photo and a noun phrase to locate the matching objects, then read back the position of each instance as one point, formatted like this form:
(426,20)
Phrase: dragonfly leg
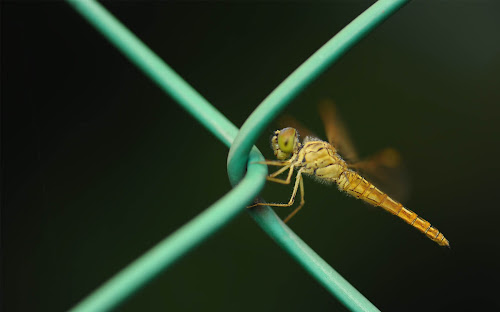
(272,178)
(273,162)
(292,198)
(302,201)
(278,172)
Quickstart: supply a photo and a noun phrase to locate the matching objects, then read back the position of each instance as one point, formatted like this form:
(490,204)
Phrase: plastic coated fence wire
(316,266)
(170,249)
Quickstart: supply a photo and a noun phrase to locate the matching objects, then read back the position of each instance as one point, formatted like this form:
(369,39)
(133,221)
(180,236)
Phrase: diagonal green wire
(268,110)
(156,69)
(166,252)
(173,247)
(310,260)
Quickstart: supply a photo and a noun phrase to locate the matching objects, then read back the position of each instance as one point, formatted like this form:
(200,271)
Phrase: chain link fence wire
(247,177)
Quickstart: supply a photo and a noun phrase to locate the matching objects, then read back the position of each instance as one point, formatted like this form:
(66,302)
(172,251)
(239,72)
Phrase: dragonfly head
(285,143)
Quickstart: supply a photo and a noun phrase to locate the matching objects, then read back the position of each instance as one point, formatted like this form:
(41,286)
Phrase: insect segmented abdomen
(355,185)
(422,225)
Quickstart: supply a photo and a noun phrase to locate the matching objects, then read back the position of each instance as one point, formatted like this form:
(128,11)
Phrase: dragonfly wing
(386,170)
(336,132)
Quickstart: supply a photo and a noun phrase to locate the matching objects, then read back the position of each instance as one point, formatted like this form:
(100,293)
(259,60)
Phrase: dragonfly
(322,161)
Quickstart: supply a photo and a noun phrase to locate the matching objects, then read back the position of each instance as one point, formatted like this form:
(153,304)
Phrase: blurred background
(98,164)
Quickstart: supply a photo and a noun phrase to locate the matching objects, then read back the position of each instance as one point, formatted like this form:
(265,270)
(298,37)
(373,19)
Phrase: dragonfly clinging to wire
(321,160)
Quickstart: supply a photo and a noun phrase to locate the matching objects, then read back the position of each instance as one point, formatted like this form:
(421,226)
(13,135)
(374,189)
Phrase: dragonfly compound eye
(286,140)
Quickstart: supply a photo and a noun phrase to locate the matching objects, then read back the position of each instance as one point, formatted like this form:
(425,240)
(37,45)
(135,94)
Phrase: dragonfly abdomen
(355,185)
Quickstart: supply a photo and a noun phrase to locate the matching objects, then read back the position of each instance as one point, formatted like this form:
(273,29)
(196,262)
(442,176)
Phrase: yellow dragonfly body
(321,160)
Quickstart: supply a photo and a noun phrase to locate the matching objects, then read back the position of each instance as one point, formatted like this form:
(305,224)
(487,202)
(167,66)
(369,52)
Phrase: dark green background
(98,164)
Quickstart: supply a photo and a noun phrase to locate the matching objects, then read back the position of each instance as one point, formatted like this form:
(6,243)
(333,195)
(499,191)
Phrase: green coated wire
(156,69)
(170,249)
(151,263)
(302,253)
(268,110)
(167,251)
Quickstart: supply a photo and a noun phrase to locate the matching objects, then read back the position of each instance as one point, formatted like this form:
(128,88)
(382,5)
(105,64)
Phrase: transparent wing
(336,132)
